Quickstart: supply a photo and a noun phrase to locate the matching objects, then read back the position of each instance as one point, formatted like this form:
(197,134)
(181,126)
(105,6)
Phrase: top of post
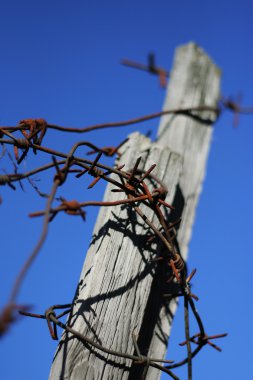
(194,82)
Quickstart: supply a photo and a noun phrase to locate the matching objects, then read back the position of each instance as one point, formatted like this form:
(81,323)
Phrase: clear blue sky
(60,61)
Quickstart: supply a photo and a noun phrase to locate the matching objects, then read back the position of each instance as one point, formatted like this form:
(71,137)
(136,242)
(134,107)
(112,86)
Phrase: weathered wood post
(121,288)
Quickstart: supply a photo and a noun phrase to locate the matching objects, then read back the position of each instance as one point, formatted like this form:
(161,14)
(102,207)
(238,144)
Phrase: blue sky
(60,61)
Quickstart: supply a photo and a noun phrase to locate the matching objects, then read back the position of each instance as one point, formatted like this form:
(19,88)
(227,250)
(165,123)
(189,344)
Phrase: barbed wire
(138,193)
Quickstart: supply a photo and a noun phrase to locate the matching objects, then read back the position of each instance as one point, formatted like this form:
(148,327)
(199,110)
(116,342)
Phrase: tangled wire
(136,191)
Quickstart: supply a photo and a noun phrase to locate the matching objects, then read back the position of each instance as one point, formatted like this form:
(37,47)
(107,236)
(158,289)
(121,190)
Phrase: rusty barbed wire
(51,317)
(235,107)
(189,111)
(223,103)
(151,68)
(134,184)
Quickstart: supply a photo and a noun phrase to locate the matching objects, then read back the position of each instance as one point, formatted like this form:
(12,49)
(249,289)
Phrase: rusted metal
(135,185)
(235,107)
(203,340)
(51,317)
(150,68)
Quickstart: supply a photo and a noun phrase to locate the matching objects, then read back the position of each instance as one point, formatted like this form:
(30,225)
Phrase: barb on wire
(150,67)
(206,339)
(37,129)
(235,107)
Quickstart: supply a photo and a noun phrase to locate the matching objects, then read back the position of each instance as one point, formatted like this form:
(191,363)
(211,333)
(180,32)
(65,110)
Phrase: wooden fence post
(121,289)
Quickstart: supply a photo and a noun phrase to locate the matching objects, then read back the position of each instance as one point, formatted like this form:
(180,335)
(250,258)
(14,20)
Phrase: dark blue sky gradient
(60,61)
